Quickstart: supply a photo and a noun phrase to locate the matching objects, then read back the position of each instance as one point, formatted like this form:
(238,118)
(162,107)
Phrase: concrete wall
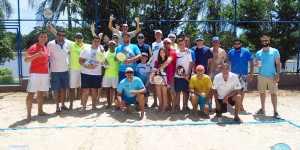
(286,82)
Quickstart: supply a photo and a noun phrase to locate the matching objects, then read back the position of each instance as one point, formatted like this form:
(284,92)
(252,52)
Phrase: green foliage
(6,79)
(6,76)
(6,51)
(5,71)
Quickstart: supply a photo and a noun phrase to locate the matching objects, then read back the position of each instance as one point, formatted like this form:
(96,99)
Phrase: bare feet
(28,119)
(173,111)
(184,111)
(154,105)
(108,106)
(82,111)
(95,108)
(162,112)
(196,114)
(42,114)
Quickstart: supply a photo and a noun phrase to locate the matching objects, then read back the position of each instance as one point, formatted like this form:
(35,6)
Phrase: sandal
(65,108)
(58,110)
(237,119)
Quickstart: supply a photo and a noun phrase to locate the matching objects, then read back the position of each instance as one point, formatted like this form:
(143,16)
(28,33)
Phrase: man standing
(90,73)
(133,89)
(220,56)
(172,37)
(39,78)
(144,48)
(268,75)
(124,29)
(203,55)
(239,58)
(155,49)
(132,53)
(59,52)
(226,88)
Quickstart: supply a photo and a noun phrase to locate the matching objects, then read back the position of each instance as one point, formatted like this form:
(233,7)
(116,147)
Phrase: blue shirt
(142,71)
(202,55)
(193,55)
(239,60)
(131,52)
(144,48)
(268,59)
(135,84)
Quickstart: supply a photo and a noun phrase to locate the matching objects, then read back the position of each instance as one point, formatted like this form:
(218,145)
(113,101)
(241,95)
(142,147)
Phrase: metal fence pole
(298,50)
(168,17)
(19,47)
(96,23)
(235,14)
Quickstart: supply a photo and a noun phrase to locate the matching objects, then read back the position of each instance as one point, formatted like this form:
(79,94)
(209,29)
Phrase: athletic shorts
(108,82)
(244,81)
(224,105)
(181,84)
(265,83)
(201,101)
(38,82)
(129,100)
(59,80)
(91,81)
(75,78)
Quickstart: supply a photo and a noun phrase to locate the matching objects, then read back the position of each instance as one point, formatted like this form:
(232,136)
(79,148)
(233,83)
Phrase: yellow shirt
(75,51)
(200,85)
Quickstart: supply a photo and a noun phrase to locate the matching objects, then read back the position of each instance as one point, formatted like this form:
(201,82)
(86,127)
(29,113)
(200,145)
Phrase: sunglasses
(236,43)
(172,37)
(129,72)
(140,37)
(167,43)
(61,35)
(115,38)
(78,37)
(125,26)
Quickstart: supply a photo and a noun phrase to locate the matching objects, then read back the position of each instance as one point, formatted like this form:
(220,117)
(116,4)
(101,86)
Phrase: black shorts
(91,81)
(224,105)
(181,85)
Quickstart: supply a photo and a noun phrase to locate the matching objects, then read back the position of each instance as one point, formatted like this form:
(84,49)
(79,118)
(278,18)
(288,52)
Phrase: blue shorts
(129,100)
(147,93)
(59,80)
(122,75)
(202,101)
(181,84)
(91,81)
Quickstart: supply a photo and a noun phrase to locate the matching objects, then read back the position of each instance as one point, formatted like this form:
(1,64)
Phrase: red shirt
(173,55)
(39,64)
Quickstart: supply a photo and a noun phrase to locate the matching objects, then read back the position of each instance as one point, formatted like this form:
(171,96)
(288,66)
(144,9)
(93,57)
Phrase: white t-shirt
(226,87)
(59,57)
(183,59)
(89,54)
(155,49)
(120,33)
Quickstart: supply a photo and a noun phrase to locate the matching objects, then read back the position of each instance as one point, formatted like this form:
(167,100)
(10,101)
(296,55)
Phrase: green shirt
(114,66)
(75,51)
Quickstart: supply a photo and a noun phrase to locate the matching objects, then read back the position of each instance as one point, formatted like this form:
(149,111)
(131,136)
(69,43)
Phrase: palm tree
(5,9)
(57,6)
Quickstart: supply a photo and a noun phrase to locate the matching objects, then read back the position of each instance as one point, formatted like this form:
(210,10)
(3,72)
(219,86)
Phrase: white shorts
(38,82)
(75,78)
(110,82)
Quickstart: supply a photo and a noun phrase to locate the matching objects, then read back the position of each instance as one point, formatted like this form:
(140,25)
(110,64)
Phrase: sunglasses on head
(129,72)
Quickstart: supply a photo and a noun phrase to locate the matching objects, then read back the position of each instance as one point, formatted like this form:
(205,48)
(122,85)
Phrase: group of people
(165,68)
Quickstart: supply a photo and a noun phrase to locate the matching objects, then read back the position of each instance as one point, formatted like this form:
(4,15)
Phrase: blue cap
(78,33)
(140,34)
(199,38)
(215,39)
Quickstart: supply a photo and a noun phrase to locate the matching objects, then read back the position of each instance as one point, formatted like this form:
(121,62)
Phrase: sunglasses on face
(115,38)
(61,35)
(129,72)
(125,26)
(140,37)
(172,37)
(166,43)
(236,43)
(78,37)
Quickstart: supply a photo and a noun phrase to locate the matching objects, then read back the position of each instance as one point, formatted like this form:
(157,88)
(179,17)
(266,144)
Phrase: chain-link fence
(209,18)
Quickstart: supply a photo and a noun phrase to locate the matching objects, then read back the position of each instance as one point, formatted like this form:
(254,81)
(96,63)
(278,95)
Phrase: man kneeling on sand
(226,88)
(133,89)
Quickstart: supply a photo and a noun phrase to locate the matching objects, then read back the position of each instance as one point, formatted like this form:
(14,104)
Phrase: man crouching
(133,89)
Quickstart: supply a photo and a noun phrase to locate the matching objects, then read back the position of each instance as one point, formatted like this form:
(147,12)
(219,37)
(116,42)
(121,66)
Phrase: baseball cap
(128,69)
(140,34)
(215,39)
(78,33)
(111,42)
(158,31)
(199,38)
(168,40)
(144,54)
(200,67)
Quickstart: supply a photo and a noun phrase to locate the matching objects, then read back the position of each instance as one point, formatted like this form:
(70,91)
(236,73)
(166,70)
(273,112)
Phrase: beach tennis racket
(100,56)
(48,14)
(158,80)
(121,56)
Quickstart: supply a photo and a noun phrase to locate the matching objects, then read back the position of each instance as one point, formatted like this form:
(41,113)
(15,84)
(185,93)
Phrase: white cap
(158,31)
(168,40)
